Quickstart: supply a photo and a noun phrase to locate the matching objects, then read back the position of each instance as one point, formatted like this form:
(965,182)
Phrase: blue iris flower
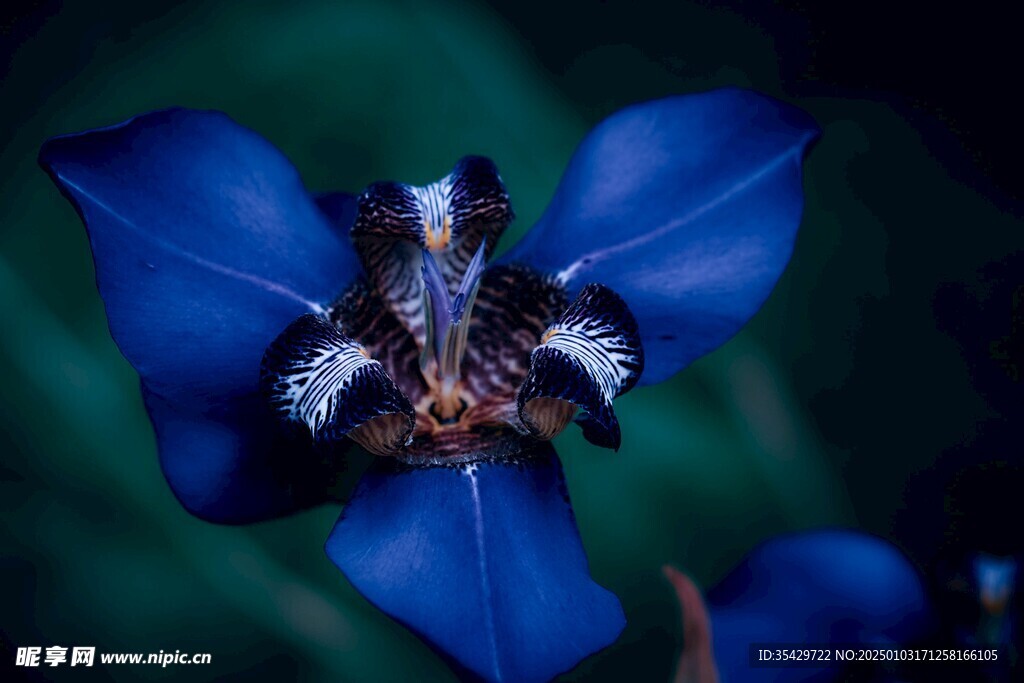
(274,330)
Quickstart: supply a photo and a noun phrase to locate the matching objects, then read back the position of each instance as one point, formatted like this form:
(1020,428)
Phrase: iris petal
(688,208)
(206,246)
(315,375)
(814,588)
(232,464)
(588,356)
(483,561)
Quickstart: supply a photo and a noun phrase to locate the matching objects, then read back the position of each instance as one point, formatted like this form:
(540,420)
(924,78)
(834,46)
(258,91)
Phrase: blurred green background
(823,411)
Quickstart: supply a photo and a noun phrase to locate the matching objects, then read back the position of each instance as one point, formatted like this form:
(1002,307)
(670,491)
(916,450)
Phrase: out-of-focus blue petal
(482,561)
(819,587)
(206,246)
(688,208)
(995,578)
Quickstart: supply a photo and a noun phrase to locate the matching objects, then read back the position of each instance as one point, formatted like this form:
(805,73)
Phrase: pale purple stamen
(445,313)
(439,314)
(469,281)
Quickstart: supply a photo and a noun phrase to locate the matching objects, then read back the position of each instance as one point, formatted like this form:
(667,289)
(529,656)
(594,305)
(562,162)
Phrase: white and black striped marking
(588,356)
(450,217)
(314,375)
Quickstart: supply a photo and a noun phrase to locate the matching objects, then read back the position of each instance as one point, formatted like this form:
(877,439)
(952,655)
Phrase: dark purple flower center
(452,361)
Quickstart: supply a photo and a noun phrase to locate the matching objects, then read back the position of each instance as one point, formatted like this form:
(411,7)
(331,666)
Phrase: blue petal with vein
(688,208)
(820,587)
(206,246)
(482,561)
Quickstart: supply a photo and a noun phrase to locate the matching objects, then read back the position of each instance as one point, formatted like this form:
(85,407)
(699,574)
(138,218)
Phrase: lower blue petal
(836,586)
(482,561)
(237,463)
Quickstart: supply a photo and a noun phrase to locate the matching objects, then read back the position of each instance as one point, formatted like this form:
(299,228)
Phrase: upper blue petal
(484,562)
(206,246)
(812,588)
(688,208)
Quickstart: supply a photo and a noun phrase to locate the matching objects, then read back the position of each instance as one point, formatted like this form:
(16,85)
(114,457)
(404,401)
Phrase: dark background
(878,388)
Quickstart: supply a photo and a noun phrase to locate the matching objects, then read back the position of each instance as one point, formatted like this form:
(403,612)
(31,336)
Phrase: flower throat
(447,318)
